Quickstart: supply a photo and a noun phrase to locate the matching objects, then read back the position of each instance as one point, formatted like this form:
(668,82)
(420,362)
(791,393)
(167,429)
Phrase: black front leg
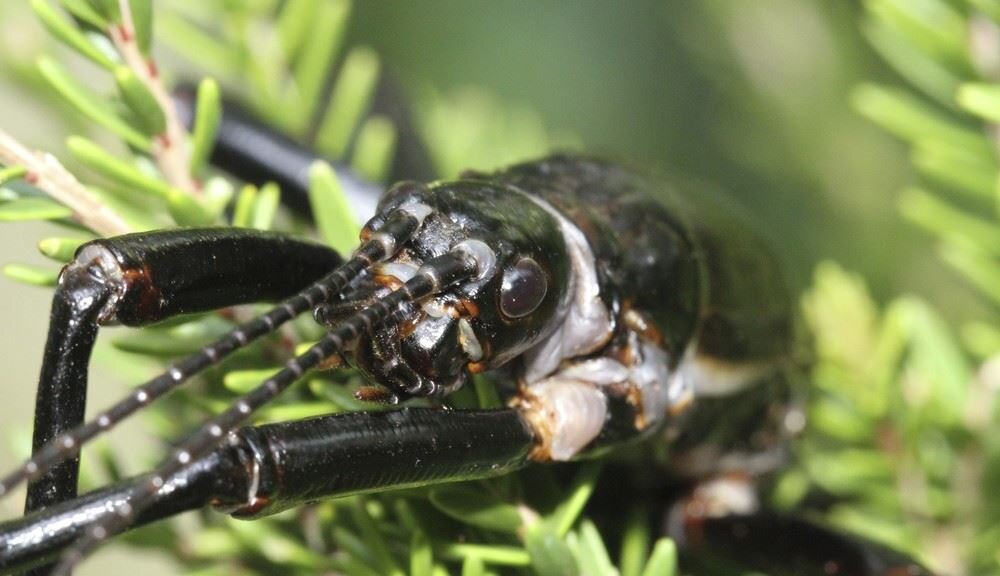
(141,278)
(263,470)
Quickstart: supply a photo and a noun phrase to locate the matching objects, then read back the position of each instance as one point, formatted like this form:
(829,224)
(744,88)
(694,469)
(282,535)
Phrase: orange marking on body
(468,308)
(375,394)
(252,508)
(148,294)
(331,362)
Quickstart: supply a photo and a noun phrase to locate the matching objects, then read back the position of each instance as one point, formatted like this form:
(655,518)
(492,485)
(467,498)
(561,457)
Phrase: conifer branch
(171,149)
(47,174)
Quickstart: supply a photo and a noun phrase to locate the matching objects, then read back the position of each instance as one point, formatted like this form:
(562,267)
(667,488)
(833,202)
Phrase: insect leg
(141,278)
(263,470)
(778,544)
(36,539)
(432,277)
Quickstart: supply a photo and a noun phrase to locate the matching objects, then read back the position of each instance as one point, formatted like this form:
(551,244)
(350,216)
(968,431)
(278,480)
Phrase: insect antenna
(398,226)
(433,277)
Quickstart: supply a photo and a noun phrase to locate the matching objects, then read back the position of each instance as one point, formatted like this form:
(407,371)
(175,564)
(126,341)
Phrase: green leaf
(213,543)
(635,543)
(569,509)
(142,19)
(956,168)
(978,266)
(839,420)
(421,555)
(69,34)
(913,119)
(989,7)
(135,209)
(318,54)
(12,173)
(187,211)
(243,381)
(334,217)
(350,542)
(923,71)
(932,26)
(983,100)
(266,207)
(350,99)
(592,553)
(550,555)
(60,249)
(663,561)
(850,471)
(473,566)
(935,355)
(375,147)
(167,343)
(208,115)
(373,538)
(471,505)
(487,395)
(243,208)
(141,101)
(294,23)
(97,159)
(490,554)
(338,395)
(31,274)
(941,218)
(86,12)
(216,196)
(107,8)
(33,208)
(981,338)
(295,411)
(209,51)
(90,105)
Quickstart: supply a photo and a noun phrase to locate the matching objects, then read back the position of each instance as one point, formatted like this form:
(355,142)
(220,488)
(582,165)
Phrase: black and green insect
(614,311)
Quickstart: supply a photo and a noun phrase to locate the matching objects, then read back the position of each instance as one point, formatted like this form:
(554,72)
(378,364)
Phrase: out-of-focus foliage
(904,436)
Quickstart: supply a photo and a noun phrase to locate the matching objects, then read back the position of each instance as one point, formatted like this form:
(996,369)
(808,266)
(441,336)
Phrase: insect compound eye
(523,288)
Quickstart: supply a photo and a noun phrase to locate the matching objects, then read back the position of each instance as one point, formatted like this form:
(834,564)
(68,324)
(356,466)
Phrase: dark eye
(523,288)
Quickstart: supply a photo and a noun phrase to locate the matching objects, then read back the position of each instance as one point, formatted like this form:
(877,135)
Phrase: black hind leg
(722,532)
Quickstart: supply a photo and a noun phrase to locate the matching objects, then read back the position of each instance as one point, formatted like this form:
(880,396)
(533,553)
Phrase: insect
(614,311)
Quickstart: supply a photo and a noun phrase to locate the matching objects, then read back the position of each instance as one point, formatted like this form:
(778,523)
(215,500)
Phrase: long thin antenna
(400,225)
(435,275)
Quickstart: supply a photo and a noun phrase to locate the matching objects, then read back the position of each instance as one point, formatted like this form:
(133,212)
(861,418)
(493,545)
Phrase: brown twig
(171,150)
(49,176)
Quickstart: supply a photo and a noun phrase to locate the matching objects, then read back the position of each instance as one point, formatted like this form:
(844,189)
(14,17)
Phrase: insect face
(478,325)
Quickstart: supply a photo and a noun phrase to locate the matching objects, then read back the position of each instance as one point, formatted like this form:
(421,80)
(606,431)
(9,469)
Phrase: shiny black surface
(192,270)
(782,545)
(296,462)
(37,539)
(61,396)
(514,228)
(362,452)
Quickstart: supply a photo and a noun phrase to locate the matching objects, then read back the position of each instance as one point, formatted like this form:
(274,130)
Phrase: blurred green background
(752,97)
